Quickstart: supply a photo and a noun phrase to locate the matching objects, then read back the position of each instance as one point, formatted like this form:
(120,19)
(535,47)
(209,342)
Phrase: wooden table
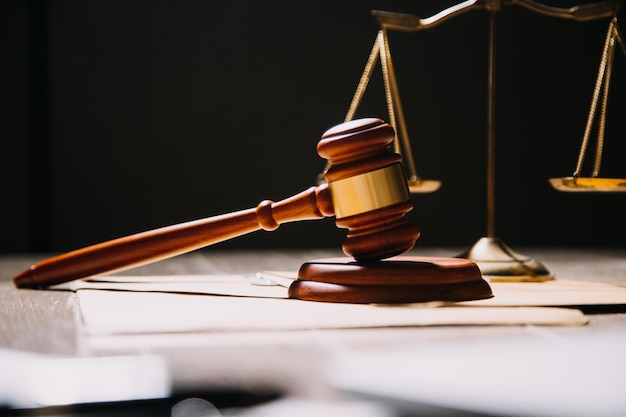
(290,363)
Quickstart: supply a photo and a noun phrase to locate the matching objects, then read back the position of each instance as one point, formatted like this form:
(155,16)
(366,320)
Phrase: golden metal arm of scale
(411,23)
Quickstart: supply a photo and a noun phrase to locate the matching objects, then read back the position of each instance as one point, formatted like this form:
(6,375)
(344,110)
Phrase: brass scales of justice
(365,190)
(496,260)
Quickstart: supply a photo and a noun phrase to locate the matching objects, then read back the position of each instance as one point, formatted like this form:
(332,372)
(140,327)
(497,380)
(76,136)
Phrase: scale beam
(580,13)
(410,23)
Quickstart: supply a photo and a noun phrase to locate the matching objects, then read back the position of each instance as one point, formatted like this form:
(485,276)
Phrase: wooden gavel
(366,191)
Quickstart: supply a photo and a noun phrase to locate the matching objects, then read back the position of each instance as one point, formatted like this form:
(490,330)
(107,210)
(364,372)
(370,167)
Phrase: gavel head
(369,190)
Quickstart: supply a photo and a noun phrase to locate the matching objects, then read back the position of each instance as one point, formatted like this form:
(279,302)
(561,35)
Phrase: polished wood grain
(154,245)
(400,270)
(352,148)
(389,294)
(355,148)
(402,279)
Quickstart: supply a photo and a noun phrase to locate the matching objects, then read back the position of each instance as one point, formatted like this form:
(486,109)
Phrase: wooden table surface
(288,362)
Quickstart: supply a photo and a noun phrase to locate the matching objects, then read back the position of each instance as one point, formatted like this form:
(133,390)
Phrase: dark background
(122,116)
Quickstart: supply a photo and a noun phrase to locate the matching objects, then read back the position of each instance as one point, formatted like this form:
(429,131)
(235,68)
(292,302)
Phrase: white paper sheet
(555,293)
(124,312)
(222,303)
(235,285)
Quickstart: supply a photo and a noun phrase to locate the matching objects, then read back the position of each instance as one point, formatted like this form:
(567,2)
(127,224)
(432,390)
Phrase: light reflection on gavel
(366,191)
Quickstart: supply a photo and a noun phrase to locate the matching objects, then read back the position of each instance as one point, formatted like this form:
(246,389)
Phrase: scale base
(398,280)
(499,263)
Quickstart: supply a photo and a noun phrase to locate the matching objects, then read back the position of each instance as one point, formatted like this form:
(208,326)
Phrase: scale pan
(423,186)
(589,184)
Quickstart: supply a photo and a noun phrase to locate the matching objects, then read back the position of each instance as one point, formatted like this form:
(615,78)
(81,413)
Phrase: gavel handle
(166,242)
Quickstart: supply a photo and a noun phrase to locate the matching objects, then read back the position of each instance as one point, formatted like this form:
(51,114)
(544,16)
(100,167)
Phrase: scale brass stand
(497,261)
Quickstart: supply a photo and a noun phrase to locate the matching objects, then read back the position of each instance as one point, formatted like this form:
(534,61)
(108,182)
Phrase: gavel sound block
(367,193)
(370,198)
